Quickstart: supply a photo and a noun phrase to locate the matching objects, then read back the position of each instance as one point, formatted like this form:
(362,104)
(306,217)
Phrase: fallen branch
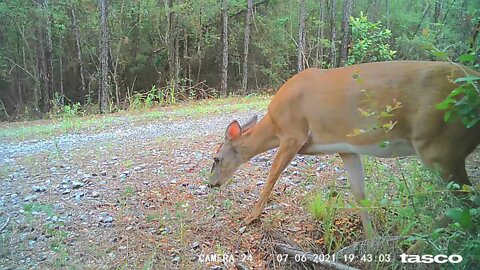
(311,258)
(371,245)
(4,225)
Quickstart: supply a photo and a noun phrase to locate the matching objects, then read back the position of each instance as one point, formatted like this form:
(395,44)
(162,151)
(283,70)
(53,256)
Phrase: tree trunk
(103,93)
(49,56)
(387,8)
(177,49)
(347,11)
(18,83)
(172,43)
(427,9)
(43,97)
(60,67)
(374,10)
(320,35)
(246,42)
(199,45)
(333,49)
(223,86)
(466,21)
(301,38)
(78,52)
(44,55)
(438,10)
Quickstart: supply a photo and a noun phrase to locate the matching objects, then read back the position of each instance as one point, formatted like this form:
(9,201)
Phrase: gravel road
(125,131)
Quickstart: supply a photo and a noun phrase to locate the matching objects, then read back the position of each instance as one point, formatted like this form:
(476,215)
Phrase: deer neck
(260,138)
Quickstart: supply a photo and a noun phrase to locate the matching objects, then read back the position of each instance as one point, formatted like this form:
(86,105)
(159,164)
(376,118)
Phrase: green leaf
(384,144)
(445,104)
(227,204)
(439,54)
(455,92)
(447,116)
(473,122)
(365,203)
(466,58)
(463,217)
(467,79)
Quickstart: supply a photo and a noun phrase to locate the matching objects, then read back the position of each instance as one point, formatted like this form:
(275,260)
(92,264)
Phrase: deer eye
(216,160)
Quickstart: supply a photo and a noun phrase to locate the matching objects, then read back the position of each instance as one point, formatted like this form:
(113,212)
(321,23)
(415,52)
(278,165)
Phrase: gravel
(125,131)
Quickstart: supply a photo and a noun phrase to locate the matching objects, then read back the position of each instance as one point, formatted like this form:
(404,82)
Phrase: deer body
(316,111)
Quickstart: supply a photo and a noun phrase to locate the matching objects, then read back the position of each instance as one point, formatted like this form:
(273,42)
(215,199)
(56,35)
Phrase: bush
(370,42)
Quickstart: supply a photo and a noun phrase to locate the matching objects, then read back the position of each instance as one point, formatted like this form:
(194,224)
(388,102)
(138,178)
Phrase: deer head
(229,155)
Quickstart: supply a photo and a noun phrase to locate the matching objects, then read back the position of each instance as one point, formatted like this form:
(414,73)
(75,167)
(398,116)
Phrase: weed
(324,206)
(128,164)
(4,170)
(150,262)
(55,231)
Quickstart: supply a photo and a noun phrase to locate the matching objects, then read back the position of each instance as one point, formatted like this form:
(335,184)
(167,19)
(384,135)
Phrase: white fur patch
(397,148)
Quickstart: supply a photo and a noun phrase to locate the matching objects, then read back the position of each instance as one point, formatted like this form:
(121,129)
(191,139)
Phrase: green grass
(41,129)
(405,199)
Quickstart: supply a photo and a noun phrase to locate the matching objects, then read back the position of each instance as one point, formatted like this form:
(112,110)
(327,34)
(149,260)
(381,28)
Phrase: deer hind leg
(449,160)
(356,177)
(286,152)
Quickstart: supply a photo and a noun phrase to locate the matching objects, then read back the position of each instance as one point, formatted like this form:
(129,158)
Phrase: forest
(105,56)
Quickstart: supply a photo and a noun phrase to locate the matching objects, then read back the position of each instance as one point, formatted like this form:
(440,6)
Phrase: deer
(320,111)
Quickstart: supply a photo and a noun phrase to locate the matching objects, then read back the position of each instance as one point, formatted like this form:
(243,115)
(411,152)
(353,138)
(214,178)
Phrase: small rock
(294,229)
(77,184)
(66,191)
(259,183)
(195,245)
(95,194)
(103,173)
(242,229)
(66,180)
(176,259)
(39,188)
(41,258)
(79,194)
(30,198)
(108,219)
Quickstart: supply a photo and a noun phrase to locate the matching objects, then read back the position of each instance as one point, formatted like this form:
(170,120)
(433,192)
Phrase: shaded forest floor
(130,193)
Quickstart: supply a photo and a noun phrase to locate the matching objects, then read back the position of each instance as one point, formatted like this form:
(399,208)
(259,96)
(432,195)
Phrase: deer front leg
(287,150)
(356,177)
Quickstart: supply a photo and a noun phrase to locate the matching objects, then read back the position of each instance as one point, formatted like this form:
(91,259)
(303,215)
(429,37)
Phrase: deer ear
(234,130)
(250,123)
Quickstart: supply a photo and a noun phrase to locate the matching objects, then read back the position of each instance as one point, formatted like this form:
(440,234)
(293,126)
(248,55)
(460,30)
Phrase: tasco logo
(440,258)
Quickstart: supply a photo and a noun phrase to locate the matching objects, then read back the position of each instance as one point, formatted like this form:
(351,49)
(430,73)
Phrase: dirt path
(134,197)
